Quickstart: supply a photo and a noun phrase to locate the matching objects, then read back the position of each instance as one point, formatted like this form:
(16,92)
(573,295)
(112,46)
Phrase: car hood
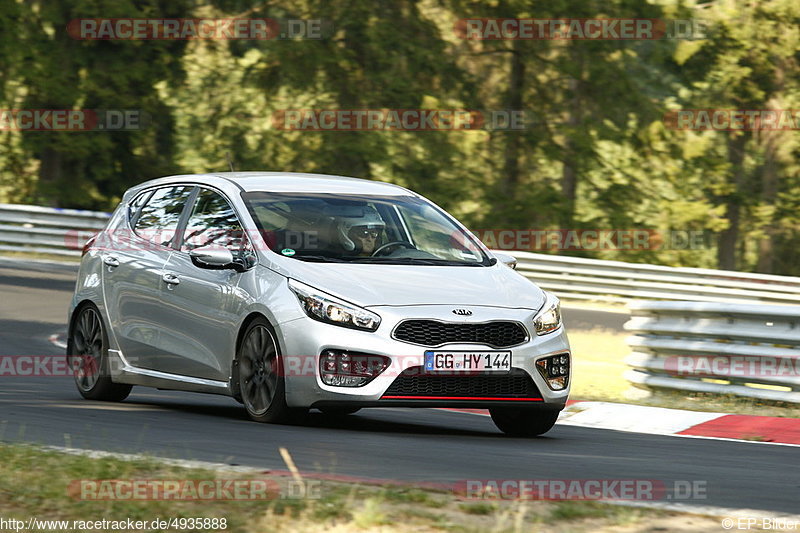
(373,285)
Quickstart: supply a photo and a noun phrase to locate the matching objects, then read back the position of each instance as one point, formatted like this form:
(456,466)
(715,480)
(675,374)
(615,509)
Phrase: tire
(87,355)
(521,422)
(261,381)
(339,411)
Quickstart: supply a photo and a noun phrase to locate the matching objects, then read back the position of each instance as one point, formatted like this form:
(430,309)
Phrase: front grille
(414,382)
(434,333)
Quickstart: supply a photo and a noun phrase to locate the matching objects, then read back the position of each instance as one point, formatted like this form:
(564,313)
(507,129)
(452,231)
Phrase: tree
(743,65)
(90,169)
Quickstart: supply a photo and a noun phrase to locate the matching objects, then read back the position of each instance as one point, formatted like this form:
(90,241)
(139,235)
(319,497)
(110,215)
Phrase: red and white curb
(662,421)
(634,418)
(58,340)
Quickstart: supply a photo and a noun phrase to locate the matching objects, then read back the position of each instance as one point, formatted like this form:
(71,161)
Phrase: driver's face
(365,238)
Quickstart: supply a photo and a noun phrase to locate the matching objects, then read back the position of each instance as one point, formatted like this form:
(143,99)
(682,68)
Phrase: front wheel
(87,355)
(521,422)
(262,384)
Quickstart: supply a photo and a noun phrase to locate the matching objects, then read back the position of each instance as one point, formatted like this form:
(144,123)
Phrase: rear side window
(159,217)
(136,203)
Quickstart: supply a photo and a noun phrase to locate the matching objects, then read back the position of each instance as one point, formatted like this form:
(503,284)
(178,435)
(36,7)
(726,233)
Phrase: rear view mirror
(508,260)
(212,257)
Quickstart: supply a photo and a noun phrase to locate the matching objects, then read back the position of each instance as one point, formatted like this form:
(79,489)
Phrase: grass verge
(36,483)
(58,258)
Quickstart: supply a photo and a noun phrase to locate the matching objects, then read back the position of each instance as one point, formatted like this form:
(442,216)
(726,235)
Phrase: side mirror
(213,257)
(508,260)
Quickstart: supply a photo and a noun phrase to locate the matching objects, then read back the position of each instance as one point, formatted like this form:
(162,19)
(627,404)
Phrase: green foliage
(595,153)
(92,169)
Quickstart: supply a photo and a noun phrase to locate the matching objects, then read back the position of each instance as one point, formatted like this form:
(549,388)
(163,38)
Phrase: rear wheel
(262,384)
(520,422)
(87,354)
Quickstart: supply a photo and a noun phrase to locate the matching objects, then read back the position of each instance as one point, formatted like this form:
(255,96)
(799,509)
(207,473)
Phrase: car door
(205,304)
(133,270)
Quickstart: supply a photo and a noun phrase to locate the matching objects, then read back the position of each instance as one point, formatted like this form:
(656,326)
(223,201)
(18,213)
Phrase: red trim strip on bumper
(459,398)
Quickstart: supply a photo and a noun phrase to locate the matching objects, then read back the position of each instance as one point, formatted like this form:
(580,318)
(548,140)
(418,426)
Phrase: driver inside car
(359,235)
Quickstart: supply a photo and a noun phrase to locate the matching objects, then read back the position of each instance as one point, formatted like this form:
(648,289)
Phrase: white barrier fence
(616,281)
(740,349)
(64,231)
(46,230)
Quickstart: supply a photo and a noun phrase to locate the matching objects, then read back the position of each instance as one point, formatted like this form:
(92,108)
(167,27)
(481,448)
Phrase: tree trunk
(50,176)
(569,172)
(516,87)
(769,193)
(771,140)
(726,251)
(571,160)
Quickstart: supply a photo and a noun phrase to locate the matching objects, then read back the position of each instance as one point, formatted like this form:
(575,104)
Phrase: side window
(158,220)
(136,203)
(213,222)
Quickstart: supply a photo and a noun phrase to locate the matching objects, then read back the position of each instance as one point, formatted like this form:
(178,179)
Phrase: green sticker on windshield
(287,251)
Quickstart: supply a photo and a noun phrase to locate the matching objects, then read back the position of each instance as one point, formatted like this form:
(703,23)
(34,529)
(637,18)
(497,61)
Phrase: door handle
(111,261)
(170,279)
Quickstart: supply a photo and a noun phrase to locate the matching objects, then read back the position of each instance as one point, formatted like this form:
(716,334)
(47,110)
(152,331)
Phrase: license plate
(459,361)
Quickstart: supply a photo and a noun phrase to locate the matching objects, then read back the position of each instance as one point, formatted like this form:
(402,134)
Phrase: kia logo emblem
(462,312)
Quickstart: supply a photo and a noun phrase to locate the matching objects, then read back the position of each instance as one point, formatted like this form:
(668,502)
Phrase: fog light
(554,370)
(339,368)
(327,362)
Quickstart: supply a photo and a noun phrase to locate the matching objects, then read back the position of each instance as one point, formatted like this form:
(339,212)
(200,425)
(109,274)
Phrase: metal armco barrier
(740,349)
(616,281)
(25,228)
(46,230)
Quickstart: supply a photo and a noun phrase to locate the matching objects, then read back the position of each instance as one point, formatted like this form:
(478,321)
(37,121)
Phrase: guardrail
(617,281)
(26,228)
(47,230)
(741,349)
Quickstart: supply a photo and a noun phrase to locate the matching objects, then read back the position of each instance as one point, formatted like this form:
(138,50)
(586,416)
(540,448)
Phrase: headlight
(549,319)
(326,308)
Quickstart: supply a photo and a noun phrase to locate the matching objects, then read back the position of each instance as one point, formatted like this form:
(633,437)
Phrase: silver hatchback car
(297,291)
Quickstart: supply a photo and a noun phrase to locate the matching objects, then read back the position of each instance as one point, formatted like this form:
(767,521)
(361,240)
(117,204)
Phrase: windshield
(361,229)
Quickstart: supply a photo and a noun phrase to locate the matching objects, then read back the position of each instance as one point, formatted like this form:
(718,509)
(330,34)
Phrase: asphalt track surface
(417,445)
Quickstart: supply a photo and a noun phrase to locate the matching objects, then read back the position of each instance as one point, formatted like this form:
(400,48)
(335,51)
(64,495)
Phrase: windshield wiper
(414,261)
(320,258)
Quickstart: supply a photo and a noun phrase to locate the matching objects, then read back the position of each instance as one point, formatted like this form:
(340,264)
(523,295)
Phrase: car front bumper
(304,339)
